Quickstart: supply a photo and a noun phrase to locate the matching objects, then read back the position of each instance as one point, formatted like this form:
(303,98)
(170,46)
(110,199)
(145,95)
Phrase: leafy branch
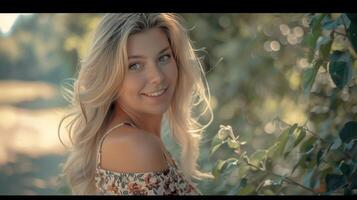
(315,135)
(286,179)
(333,164)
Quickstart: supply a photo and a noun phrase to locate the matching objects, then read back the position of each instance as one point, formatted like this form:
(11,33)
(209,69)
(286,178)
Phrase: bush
(318,162)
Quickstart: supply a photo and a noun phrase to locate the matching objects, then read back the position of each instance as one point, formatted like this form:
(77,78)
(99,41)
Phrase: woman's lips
(156,93)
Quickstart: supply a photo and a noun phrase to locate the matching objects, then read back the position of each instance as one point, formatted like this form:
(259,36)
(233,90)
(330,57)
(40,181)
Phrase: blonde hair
(95,90)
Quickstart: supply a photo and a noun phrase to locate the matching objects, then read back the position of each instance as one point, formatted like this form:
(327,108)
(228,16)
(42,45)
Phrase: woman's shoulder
(129,149)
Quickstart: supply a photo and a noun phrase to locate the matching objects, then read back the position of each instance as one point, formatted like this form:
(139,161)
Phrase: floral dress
(170,181)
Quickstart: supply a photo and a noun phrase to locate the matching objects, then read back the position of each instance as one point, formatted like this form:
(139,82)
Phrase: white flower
(225,131)
(267,182)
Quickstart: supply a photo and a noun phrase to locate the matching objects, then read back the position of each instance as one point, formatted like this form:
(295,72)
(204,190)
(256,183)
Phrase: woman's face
(151,78)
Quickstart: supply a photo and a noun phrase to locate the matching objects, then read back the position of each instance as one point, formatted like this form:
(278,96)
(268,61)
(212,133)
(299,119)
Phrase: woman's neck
(149,123)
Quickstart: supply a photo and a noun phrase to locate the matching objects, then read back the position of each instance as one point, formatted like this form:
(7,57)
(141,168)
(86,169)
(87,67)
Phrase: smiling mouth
(155,94)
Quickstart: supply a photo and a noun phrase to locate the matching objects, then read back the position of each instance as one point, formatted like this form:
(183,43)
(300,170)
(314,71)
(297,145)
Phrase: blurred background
(253,62)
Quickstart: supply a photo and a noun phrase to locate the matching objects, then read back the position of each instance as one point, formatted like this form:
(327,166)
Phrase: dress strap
(164,154)
(99,151)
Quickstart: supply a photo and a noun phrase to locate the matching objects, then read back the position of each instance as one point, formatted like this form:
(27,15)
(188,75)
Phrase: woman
(140,71)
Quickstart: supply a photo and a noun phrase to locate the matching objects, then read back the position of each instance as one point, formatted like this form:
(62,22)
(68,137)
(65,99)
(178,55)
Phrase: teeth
(155,94)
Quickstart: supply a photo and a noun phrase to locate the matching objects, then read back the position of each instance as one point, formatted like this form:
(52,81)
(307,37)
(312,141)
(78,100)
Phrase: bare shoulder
(128,149)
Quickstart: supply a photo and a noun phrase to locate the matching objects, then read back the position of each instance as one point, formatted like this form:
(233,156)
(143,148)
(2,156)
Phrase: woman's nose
(156,76)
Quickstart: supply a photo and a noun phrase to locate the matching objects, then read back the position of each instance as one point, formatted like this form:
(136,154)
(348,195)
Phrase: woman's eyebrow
(163,50)
(138,56)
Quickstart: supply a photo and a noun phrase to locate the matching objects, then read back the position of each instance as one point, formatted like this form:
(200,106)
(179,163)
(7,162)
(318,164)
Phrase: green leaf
(307,151)
(282,139)
(336,143)
(216,147)
(349,146)
(308,77)
(233,144)
(316,22)
(354,166)
(294,132)
(243,182)
(329,24)
(257,157)
(278,180)
(217,170)
(354,182)
(344,20)
(230,162)
(216,143)
(340,68)
(271,151)
(324,46)
(352,31)
(223,165)
(335,155)
(248,189)
(268,192)
(318,157)
(334,181)
(216,140)
(324,166)
(242,171)
(352,17)
(315,33)
(307,145)
(300,137)
(333,24)
(348,132)
(339,72)
(345,168)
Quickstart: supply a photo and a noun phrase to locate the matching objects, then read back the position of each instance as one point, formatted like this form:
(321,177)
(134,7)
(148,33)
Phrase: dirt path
(30,151)
(31,132)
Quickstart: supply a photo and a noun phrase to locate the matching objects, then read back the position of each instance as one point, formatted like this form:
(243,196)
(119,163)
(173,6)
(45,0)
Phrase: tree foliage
(45,47)
(325,158)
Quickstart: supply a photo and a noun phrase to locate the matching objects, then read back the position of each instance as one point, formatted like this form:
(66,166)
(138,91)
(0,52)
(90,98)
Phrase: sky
(7,20)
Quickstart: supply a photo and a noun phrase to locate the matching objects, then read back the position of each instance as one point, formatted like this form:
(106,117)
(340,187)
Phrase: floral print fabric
(168,182)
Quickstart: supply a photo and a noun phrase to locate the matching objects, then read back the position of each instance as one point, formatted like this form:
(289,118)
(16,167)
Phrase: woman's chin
(157,109)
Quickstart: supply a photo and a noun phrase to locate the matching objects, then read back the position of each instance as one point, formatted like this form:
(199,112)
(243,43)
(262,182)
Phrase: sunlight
(7,20)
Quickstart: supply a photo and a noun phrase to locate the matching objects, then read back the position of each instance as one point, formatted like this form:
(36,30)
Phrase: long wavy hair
(93,93)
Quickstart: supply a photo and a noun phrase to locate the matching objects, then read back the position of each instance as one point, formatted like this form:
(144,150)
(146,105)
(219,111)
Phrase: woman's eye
(135,67)
(164,58)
